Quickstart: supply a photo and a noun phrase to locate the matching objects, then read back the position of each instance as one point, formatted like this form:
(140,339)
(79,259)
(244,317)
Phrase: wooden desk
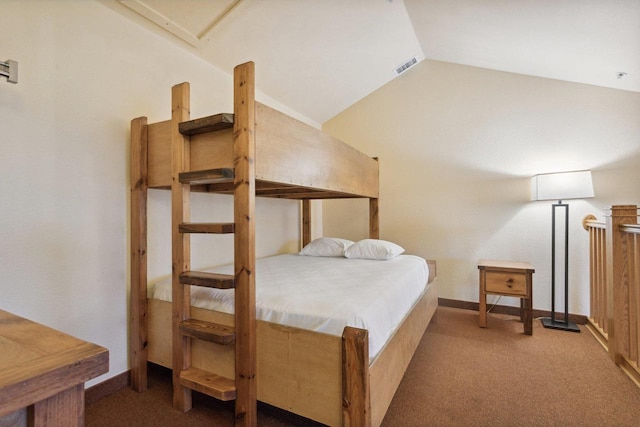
(44,370)
(508,278)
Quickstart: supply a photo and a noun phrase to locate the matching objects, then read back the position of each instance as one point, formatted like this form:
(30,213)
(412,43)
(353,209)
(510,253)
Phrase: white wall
(457,146)
(84,72)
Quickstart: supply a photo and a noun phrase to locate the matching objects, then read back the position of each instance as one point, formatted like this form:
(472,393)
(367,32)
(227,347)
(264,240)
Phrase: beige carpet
(461,375)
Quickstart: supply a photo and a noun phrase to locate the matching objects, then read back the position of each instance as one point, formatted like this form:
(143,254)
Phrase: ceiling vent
(404,67)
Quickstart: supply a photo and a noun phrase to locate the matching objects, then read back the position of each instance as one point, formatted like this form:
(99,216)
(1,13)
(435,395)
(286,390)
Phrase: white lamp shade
(562,186)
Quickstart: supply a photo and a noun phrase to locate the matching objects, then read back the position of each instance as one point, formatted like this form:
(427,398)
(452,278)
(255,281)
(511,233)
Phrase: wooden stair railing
(615,286)
(185,329)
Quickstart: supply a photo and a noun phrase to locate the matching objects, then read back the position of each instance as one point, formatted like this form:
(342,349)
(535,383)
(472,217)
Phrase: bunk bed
(255,152)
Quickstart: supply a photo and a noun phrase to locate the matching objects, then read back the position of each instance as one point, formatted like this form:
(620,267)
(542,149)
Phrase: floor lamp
(561,186)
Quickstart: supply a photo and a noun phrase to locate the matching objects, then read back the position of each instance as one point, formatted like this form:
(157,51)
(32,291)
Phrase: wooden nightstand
(510,278)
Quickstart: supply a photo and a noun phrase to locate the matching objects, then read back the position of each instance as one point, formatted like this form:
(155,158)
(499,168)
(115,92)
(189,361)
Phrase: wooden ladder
(185,329)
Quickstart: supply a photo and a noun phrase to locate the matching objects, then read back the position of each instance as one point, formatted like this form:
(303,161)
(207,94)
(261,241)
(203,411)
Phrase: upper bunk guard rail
(615,256)
(289,152)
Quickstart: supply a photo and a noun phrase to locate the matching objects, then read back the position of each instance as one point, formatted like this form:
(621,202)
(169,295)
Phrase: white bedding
(325,294)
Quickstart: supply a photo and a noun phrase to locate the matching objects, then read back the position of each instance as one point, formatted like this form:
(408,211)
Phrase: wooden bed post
(244,218)
(180,159)
(306,222)
(138,291)
(356,400)
(374,219)
(617,277)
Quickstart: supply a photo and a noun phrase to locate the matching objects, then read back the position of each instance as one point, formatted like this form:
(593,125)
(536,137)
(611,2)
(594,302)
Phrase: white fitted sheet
(325,294)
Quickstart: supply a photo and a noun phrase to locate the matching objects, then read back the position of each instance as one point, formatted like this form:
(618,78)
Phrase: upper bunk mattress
(325,294)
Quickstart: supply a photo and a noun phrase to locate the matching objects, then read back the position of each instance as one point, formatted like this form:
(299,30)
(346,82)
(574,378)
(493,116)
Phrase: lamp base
(570,326)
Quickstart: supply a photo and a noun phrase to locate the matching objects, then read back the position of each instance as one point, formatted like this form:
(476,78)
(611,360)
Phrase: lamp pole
(552,322)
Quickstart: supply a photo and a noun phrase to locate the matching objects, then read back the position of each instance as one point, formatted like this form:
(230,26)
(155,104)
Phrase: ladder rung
(208,227)
(208,383)
(206,124)
(207,331)
(210,176)
(209,280)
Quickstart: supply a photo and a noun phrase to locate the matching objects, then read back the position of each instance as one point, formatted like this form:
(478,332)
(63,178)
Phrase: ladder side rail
(181,250)
(138,246)
(244,244)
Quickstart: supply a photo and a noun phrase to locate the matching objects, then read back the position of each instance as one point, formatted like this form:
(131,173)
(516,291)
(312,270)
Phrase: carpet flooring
(461,375)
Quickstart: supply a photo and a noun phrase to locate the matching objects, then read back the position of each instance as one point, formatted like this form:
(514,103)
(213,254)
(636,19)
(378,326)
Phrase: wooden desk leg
(65,409)
(482,306)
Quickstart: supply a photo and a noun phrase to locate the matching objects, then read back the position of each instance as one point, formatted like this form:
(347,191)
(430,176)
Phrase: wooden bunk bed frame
(257,151)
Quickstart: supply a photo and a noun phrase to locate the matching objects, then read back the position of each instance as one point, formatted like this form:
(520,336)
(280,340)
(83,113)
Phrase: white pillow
(373,249)
(326,246)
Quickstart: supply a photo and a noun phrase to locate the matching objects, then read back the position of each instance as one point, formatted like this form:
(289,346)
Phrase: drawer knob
(510,282)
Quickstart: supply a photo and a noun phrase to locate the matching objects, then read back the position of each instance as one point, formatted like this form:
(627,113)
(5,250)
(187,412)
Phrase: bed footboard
(302,371)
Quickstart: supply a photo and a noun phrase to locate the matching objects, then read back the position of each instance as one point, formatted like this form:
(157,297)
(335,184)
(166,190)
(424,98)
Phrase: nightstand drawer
(506,283)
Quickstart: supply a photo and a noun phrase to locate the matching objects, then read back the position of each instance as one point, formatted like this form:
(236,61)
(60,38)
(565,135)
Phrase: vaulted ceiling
(320,57)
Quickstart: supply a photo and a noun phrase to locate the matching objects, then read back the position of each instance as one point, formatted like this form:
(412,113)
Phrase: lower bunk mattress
(325,294)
